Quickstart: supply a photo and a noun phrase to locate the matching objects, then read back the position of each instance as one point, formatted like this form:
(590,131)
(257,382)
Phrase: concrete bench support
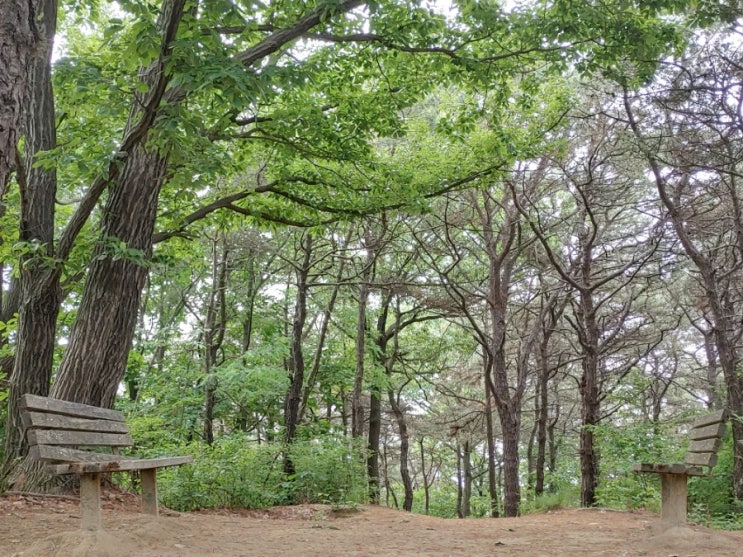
(673,493)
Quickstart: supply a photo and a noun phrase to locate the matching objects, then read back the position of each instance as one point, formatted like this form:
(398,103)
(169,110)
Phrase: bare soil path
(45,527)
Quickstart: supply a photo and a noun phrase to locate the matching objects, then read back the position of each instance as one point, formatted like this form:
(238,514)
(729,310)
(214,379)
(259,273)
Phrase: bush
(233,473)
(328,470)
(620,447)
(229,474)
(566,497)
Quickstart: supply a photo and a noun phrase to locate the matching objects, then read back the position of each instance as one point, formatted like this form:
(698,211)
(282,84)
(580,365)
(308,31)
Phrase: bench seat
(675,468)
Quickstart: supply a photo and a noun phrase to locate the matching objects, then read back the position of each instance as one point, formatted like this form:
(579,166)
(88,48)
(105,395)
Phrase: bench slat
(115,466)
(57,421)
(713,418)
(707,432)
(34,402)
(701,459)
(49,453)
(78,438)
(711,445)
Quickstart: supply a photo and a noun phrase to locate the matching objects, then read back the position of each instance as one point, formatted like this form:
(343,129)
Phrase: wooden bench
(57,433)
(705,439)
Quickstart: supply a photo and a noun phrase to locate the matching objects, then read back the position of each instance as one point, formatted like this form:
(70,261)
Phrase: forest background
(470,260)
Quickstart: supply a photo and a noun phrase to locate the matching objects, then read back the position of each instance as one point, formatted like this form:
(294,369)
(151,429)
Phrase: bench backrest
(706,437)
(55,429)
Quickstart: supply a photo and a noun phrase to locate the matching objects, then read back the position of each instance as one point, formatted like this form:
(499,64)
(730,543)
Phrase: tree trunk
(19,41)
(96,356)
(402,428)
(215,325)
(375,402)
(460,482)
(467,477)
(426,477)
(511,424)
(492,484)
(372,459)
(542,418)
(40,295)
(590,391)
(357,406)
(293,396)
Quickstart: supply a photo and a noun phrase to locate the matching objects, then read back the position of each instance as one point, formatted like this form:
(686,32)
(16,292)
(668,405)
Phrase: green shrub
(566,497)
(231,473)
(329,469)
(443,501)
(620,447)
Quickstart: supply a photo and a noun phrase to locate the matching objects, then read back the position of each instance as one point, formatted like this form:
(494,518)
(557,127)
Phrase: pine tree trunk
(542,417)
(492,483)
(590,391)
(467,477)
(372,459)
(402,429)
(357,407)
(293,396)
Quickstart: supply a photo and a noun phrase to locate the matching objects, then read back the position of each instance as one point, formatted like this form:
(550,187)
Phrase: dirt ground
(43,526)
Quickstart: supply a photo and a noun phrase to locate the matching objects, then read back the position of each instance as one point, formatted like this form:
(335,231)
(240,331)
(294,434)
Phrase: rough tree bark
(23,29)
(40,294)
(96,355)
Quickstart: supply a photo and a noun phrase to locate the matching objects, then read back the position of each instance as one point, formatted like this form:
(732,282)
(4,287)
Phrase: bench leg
(673,499)
(90,501)
(149,491)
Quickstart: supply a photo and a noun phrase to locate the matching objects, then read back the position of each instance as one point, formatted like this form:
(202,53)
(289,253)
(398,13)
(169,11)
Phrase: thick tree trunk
(19,42)
(95,360)
(426,479)
(542,417)
(511,424)
(375,402)
(460,482)
(96,356)
(40,295)
(467,477)
(357,407)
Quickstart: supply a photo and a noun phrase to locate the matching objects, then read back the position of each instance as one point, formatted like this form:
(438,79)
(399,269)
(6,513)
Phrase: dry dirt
(43,526)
